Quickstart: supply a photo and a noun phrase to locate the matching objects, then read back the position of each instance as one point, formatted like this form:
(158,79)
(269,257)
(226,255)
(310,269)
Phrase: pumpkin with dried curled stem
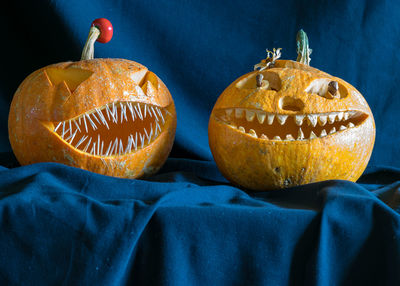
(110,116)
(288,124)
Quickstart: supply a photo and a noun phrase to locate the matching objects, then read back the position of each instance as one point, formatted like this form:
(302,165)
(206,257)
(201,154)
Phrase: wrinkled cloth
(187,226)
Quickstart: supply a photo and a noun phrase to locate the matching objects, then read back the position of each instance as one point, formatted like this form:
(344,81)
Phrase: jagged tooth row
(96,146)
(300,134)
(310,119)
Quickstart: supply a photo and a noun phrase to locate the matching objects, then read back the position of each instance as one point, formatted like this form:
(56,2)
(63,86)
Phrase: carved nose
(289,103)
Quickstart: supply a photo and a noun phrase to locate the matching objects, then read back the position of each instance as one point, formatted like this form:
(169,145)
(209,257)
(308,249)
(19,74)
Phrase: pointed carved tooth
(289,137)
(93,150)
(84,120)
(121,147)
(98,144)
(331,118)
(350,125)
(145,111)
(138,110)
(241,128)
(145,132)
(131,110)
(71,137)
(270,118)
(346,116)
(340,116)
(312,135)
(352,113)
(333,130)
(312,119)
(299,119)
(277,138)
(322,119)
(263,136)
(342,127)
(91,122)
(59,124)
(253,133)
(142,140)
(250,115)
(63,130)
(114,113)
(84,137)
(282,118)
(87,145)
(300,135)
(108,149)
(77,126)
(151,133)
(229,111)
(160,113)
(70,128)
(238,112)
(123,112)
(94,116)
(154,112)
(261,116)
(323,133)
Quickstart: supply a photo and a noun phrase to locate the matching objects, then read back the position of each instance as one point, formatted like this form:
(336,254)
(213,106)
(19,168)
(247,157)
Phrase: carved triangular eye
(73,77)
(137,76)
(150,81)
(146,81)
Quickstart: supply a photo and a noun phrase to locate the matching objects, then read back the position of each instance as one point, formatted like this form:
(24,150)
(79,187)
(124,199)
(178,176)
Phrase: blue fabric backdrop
(187,225)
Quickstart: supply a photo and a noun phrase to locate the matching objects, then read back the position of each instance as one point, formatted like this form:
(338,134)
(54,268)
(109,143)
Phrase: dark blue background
(199,47)
(187,225)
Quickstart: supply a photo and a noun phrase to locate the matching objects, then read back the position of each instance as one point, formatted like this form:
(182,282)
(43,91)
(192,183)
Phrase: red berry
(106,29)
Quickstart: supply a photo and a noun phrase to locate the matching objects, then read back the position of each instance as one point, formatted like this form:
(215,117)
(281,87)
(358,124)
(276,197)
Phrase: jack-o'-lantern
(288,124)
(110,116)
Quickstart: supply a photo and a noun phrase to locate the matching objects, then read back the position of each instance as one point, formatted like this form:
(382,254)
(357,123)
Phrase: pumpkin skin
(249,159)
(51,100)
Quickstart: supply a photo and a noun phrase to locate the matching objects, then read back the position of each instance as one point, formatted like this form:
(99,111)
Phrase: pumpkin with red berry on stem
(109,116)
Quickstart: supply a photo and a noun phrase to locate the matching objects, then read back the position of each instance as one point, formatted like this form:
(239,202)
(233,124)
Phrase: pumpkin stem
(269,62)
(303,50)
(88,49)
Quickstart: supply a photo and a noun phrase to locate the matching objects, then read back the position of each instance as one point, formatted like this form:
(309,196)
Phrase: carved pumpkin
(287,124)
(110,116)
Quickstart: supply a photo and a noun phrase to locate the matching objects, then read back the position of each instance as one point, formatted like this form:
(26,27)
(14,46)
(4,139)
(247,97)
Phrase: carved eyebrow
(72,77)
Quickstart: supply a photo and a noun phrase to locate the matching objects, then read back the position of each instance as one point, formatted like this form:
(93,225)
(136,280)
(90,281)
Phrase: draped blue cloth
(187,225)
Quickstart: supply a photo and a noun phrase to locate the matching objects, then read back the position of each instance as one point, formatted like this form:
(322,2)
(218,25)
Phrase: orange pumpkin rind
(290,124)
(110,116)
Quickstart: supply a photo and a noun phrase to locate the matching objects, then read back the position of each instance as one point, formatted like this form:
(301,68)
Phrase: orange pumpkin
(109,116)
(288,124)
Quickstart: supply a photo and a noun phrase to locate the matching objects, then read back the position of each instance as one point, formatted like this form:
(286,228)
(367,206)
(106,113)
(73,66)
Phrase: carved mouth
(116,128)
(283,127)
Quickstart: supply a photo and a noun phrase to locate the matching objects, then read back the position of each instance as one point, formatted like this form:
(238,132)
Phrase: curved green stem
(303,50)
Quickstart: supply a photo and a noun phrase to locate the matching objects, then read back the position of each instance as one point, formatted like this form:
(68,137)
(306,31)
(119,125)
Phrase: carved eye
(146,82)
(327,88)
(265,80)
(72,77)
